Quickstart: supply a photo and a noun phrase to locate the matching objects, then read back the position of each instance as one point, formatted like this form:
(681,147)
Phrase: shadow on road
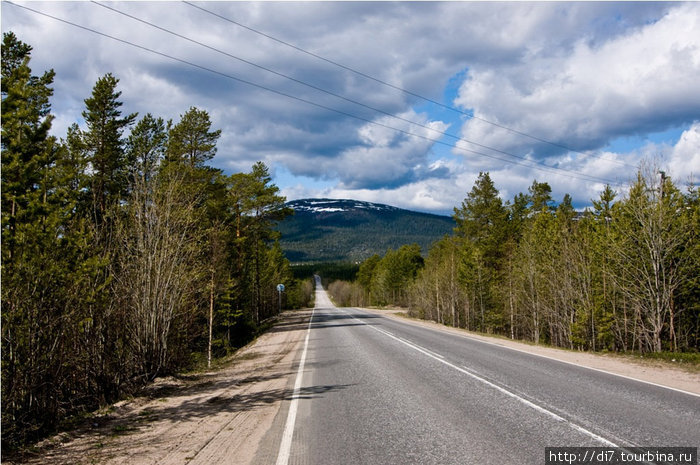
(322,320)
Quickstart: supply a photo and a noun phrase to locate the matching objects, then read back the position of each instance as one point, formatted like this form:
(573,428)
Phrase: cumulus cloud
(579,74)
(644,80)
(684,157)
(387,158)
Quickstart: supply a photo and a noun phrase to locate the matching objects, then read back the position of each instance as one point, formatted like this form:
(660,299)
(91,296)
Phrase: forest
(125,255)
(622,276)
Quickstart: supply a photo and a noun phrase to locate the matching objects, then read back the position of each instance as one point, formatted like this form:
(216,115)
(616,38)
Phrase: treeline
(622,276)
(125,256)
(381,281)
(329,271)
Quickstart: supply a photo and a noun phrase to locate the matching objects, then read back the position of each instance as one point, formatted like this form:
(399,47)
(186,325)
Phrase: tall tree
(33,270)
(192,139)
(395,273)
(610,327)
(26,145)
(482,222)
(256,205)
(649,255)
(481,214)
(686,305)
(145,148)
(104,144)
(158,266)
(540,195)
(437,294)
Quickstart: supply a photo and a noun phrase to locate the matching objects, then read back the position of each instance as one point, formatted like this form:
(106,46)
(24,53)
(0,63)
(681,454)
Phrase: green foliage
(437,293)
(191,140)
(540,196)
(366,273)
(482,225)
(621,277)
(123,258)
(145,147)
(393,274)
(104,146)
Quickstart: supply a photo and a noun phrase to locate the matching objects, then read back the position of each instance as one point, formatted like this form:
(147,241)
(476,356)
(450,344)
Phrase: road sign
(280,288)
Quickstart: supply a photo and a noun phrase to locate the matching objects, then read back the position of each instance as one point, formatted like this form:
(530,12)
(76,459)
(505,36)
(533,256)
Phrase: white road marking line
(600,370)
(530,404)
(288,434)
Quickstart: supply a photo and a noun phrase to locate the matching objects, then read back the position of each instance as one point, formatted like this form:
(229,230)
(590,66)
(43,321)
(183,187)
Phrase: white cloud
(387,158)
(578,73)
(684,159)
(643,80)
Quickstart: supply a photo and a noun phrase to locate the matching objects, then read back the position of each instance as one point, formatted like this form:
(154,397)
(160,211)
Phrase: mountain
(323,230)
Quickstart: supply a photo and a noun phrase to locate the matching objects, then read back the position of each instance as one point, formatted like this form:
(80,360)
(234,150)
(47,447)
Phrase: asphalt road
(373,390)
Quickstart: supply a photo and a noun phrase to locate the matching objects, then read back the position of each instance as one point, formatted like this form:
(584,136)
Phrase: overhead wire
(401,89)
(547,168)
(328,92)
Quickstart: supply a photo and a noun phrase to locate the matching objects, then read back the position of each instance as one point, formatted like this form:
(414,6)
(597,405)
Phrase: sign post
(280,290)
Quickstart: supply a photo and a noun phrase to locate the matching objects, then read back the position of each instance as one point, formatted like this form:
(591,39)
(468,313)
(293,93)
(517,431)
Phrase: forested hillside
(624,276)
(125,255)
(325,230)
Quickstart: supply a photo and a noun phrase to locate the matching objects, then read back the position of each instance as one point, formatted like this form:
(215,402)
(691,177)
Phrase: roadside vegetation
(125,255)
(623,276)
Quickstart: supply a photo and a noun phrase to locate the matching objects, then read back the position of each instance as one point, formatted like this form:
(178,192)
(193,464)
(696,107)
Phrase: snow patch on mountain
(335,205)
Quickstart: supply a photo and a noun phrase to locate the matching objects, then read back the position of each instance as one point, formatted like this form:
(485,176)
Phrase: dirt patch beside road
(206,418)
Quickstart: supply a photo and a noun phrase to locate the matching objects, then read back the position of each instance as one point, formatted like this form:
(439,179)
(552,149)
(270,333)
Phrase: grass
(119,430)
(686,359)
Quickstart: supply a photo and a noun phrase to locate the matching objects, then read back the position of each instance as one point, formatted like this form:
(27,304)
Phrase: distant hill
(323,230)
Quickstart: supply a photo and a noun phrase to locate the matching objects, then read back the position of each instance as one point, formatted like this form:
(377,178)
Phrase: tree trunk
(211,317)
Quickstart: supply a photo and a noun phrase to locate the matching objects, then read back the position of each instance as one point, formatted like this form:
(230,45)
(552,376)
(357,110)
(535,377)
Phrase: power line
(334,94)
(401,89)
(547,168)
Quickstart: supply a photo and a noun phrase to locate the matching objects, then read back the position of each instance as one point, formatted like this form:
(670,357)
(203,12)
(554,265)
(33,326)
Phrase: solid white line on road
(287,435)
(494,386)
(534,354)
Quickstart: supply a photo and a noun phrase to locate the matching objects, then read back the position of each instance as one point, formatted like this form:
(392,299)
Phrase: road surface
(373,390)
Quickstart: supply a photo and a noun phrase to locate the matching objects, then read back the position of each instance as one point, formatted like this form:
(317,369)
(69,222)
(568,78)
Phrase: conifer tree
(145,148)
(26,144)
(482,223)
(102,140)
(192,140)
(540,196)
(32,271)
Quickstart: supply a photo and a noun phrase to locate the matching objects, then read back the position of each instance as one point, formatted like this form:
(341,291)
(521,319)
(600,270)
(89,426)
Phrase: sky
(402,103)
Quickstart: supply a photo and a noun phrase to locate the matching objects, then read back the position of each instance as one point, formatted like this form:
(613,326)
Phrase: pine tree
(104,145)
(482,222)
(540,195)
(191,139)
(32,267)
(145,148)
(26,144)
(256,205)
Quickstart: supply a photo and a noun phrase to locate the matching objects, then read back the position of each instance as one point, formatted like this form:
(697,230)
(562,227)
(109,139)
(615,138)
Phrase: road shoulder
(643,370)
(219,416)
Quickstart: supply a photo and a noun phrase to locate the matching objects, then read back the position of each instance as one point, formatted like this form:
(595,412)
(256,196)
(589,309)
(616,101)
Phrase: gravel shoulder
(204,418)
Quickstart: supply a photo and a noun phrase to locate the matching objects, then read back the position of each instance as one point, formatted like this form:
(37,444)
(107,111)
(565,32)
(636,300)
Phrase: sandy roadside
(207,418)
(643,370)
